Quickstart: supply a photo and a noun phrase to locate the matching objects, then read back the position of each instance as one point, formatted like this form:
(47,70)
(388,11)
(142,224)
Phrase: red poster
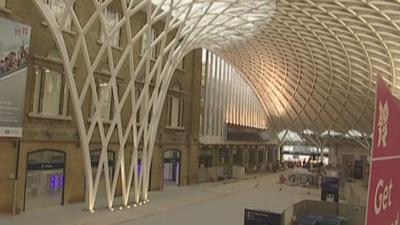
(384,183)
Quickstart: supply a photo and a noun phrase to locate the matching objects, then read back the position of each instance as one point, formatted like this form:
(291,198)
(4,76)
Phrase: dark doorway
(172,167)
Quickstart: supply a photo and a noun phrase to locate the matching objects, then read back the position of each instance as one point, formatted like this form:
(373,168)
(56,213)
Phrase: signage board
(14,48)
(244,133)
(330,189)
(261,217)
(46,166)
(384,182)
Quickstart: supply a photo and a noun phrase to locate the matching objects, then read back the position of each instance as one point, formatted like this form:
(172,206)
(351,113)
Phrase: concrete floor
(212,203)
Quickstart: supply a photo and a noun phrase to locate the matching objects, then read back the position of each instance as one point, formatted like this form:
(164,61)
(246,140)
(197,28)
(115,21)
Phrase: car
(307,220)
(332,220)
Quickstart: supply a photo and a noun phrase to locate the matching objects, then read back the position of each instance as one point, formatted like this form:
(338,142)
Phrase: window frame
(69,20)
(113,39)
(38,93)
(155,50)
(179,116)
(111,106)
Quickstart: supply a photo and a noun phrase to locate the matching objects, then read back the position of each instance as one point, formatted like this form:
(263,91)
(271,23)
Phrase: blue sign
(330,188)
(261,217)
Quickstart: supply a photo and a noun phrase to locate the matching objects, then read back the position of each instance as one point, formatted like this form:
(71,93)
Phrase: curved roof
(313,63)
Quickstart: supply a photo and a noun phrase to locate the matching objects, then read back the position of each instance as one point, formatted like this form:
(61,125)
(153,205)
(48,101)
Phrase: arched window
(175,109)
(45,178)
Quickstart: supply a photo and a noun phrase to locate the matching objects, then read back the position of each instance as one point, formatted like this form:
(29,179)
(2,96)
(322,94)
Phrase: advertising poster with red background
(384,184)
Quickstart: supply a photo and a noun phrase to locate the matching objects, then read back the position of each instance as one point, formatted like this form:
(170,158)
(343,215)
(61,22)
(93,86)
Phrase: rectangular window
(50,93)
(57,8)
(141,110)
(105,95)
(175,112)
(154,50)
(111,20)
(180,113)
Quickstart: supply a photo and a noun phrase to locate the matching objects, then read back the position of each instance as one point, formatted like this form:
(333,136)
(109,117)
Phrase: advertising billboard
(384,183)
(14,48)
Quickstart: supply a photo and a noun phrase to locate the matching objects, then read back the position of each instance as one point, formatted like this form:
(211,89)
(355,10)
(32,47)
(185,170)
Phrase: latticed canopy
(314,64)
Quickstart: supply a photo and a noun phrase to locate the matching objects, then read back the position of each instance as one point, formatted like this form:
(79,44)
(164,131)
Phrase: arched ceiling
(313,63)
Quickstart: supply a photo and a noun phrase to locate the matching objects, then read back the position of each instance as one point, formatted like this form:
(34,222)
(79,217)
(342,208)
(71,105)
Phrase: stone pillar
(193,164)
(257,158)
(157,165)
(247,157)
(280,154)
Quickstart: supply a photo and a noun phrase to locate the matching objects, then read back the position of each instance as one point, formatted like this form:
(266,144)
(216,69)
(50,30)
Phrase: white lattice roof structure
(313,64)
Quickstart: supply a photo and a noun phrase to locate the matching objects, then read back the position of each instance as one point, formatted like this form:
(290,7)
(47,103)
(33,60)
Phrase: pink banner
(384,183)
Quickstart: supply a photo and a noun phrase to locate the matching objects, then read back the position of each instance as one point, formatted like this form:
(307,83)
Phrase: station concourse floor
(202,204)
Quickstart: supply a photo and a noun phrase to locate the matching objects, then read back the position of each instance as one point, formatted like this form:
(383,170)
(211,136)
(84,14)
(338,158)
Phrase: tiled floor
(212,203)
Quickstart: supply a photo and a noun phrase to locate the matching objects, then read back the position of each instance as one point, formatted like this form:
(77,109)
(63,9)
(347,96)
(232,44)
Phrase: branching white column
(187,25)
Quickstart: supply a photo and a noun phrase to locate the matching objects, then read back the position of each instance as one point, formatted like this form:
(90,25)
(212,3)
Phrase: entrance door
(44,179)
(172,161)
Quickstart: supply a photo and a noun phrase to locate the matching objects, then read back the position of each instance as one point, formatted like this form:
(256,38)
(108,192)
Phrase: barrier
(261,217)
(355,214)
